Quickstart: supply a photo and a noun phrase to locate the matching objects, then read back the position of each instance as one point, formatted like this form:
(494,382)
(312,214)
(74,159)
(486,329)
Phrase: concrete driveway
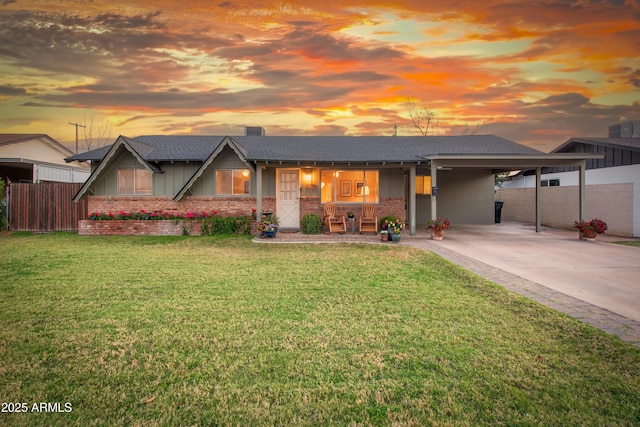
(600,273)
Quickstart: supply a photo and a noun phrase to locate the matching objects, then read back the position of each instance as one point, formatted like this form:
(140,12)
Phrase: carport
(499,163)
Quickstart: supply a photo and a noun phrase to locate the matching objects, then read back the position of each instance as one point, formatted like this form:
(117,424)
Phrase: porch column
(538,188)
(259,192)
(582,189)
(412,200)
(434,183)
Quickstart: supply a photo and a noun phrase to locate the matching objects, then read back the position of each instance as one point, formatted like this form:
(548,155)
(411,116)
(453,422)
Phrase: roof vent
(253,131)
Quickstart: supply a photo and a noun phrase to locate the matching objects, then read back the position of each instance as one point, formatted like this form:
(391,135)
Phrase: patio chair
(368,219)
(333,222)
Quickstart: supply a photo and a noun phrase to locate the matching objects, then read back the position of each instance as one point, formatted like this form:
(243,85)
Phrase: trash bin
(499,204)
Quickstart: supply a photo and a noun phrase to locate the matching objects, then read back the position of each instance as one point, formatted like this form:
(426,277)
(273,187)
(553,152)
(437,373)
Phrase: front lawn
(219,331)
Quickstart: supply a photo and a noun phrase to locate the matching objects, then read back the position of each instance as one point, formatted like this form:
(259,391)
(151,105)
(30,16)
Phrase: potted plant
(395,227)
(589,229)
(268,227)
(384,235)
(351,215)
(437,227)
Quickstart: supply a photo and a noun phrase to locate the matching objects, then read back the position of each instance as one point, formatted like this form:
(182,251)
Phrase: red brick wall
(230,206)
(138,228)
(387,206)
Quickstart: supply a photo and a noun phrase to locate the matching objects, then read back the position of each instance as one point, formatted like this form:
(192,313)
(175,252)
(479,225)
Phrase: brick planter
(139,228)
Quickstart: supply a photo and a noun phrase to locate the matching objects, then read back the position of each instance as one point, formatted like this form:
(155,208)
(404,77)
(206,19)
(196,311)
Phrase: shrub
(218,225)
(311,224)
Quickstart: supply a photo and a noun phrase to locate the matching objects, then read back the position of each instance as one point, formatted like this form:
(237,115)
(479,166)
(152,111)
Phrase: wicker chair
(368,219)
(333,222)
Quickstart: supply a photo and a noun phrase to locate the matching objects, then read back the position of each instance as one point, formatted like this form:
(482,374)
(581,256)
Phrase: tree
(422,116)
(95,135)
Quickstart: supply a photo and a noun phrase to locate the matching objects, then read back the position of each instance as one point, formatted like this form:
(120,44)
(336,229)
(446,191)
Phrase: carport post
(434,184)
(582,189)
(538,221)
(258,192)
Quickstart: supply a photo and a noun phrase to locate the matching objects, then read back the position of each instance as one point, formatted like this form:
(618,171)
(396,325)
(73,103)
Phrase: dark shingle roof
(318,148)
(632,144)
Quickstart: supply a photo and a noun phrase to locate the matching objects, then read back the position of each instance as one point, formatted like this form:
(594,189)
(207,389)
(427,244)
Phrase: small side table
(352,224)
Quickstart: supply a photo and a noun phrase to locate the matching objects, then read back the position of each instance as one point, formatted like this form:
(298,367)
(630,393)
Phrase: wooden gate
(45,207)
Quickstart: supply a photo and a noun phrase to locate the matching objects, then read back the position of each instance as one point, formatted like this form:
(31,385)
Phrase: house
(415,178)
(37,158)
(612,185)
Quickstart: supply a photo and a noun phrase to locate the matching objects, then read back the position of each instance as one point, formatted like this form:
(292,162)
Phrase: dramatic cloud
(536,72)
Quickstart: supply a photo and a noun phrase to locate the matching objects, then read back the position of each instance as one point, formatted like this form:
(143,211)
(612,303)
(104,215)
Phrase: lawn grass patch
(217,331)
(635,243)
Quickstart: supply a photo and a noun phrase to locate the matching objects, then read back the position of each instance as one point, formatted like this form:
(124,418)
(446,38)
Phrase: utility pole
(77,125)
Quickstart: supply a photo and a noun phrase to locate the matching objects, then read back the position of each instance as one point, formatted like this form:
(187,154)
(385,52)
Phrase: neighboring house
(37,158)
(612,184)
(415,178)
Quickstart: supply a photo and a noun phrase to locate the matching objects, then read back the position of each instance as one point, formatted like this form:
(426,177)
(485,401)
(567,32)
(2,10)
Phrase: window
(232,181)
(423,185)
(550,183)
(135,181)
(349,186)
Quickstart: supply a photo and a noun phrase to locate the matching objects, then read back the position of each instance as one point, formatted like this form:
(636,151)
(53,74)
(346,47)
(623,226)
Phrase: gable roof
(488,151)
(321,149)
(227,142)
(632,144)
(15,138)
(138,151)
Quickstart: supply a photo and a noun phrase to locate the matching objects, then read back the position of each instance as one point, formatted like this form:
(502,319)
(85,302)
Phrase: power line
(77,125)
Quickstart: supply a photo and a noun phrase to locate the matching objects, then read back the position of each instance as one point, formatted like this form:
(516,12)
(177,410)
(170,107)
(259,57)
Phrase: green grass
(635,243)
(219,331)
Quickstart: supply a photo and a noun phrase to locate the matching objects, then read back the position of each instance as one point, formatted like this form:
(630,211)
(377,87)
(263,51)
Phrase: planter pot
(269,233)
(437,234)
(589,235)
(395,237)
(384,237)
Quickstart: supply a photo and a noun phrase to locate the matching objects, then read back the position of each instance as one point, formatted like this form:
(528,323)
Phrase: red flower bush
(597,225)
(439,224)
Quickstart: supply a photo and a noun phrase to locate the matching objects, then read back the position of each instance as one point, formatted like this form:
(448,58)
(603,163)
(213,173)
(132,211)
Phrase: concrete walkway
(595,282)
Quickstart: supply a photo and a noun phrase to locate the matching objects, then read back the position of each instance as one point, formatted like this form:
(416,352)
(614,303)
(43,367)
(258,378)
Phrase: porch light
(245,173)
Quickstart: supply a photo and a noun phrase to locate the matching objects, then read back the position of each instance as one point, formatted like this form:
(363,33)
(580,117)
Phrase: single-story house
(37,158)
(414,178)
(612,185)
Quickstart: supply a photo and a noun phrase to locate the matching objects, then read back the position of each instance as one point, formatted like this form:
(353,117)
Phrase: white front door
(288,198)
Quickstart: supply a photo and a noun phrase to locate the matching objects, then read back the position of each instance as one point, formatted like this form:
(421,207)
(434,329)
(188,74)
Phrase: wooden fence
(45,207)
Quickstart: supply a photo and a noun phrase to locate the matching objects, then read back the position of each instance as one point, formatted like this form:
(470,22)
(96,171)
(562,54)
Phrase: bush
(311,224)
(217,225)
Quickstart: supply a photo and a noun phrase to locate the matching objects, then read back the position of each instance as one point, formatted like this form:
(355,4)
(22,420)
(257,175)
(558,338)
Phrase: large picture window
(135,181)
(232,181)
(349,186)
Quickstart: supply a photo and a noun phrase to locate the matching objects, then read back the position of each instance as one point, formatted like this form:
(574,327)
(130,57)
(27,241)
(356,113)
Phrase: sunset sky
(535,72)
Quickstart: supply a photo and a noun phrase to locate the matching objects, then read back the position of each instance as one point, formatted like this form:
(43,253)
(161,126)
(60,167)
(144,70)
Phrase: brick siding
(139,228)
(388,206)
(229,206)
